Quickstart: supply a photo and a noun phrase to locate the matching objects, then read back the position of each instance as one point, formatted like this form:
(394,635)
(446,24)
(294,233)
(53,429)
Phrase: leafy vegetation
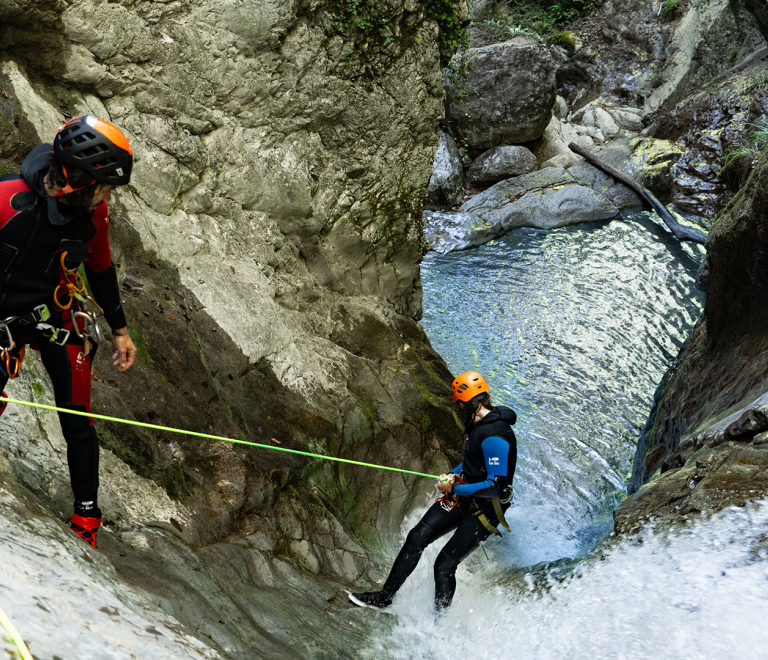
(740,159)
(670,8)
(547,21)
(369,21)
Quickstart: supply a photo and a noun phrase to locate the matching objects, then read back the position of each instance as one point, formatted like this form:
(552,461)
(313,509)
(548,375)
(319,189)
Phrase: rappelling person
(475,496)
(53,219)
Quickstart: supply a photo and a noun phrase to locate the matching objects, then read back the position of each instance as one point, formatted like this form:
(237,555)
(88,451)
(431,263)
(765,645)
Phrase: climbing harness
(11,356)
(449,500)
(73,282)
(208,436)
(496,502)
(14,638)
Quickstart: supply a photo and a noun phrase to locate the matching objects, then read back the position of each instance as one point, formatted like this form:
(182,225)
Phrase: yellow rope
(15,638)
(169,429)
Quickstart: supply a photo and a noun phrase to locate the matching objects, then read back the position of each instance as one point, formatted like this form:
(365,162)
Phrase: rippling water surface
(574,329)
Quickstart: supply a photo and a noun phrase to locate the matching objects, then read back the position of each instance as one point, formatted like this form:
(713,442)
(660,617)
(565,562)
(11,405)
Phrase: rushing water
(574,329)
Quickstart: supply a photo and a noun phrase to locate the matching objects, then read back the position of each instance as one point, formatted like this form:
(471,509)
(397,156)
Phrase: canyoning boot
(86,527)
(377,599)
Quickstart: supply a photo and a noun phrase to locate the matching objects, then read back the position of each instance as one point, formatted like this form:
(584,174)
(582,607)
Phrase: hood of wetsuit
(33,171)
(35,166)
(502,413)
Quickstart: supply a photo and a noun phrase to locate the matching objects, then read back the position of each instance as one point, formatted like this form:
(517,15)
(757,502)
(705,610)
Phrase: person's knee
(419,537)
(445,566)
(76,428)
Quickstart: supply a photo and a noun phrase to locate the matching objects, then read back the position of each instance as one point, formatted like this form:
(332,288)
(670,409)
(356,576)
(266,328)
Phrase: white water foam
(699,592)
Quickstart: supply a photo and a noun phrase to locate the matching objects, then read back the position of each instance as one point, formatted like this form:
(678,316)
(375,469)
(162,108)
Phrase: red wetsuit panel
(8,190)
(100,254)
(80,367)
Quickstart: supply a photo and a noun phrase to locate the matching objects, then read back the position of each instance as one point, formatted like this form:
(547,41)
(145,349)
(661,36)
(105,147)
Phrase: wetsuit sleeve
(101,273)
(457,469)
(496,453)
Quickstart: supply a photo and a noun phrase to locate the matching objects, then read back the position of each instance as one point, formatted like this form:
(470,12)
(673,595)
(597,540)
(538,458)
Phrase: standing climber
(476,494)
(53,219)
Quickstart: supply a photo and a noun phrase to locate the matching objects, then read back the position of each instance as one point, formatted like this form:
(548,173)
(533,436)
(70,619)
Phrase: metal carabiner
(11,359)
(91,328)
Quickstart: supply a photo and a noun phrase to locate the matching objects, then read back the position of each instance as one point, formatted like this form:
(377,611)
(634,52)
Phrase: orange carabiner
(450,500)
(78,286)
(11,359)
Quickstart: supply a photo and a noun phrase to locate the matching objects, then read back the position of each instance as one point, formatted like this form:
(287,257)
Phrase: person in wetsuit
(53,219)
(476,494)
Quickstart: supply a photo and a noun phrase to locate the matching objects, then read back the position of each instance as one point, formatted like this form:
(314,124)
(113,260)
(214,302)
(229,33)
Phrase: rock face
(703,452)
(548,198)
(711,124)
(446,185)
(555,196)
(268,252)
(501,94)
(500,163)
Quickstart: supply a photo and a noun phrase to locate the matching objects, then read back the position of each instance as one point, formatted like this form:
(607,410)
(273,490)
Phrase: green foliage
(670,8)
(453,33)
(746,155)
(548,21)
(370,21)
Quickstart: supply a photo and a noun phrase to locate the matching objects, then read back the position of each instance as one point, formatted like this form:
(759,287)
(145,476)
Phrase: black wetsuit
(34,230)
(490,457)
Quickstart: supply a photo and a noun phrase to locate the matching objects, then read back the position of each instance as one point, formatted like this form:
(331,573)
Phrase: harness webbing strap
(499,513)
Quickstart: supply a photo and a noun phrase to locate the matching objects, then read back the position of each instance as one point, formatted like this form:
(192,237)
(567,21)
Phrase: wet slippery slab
(557,196)
(549,198)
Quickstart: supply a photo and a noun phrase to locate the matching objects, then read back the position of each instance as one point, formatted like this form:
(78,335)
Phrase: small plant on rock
(740,159)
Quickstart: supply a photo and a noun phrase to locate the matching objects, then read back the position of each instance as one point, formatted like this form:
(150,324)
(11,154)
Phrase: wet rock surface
(557,196)
(500,163)
(268,252)
(704,452)
(446,185)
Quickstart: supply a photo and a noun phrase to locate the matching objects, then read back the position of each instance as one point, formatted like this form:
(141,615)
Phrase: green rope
(486,554)
(14,638)
(212,437)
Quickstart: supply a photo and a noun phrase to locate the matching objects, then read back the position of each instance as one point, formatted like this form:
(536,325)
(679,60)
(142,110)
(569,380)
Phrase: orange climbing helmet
(97,147)
(468,385)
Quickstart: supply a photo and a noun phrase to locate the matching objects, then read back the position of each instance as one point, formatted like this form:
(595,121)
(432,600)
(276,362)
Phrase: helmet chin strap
(68,188)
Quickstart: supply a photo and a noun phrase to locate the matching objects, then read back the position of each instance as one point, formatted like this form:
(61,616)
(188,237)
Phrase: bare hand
(446,486)
(125,352)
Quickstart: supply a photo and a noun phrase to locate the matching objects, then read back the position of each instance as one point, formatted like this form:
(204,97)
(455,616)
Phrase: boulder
(500,94)
(561,108)
(561,160)
(555,141)
(500,163)
(446,187)
(630,119)
(605,123)
(544,199)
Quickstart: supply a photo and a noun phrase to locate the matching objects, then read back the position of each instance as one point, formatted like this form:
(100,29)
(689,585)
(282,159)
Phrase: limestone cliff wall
(268,250)
(705,445)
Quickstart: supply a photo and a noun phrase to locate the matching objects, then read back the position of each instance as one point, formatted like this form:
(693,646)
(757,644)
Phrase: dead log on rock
(681,232)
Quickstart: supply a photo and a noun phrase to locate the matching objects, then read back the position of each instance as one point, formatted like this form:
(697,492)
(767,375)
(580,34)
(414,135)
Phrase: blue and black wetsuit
(490,456)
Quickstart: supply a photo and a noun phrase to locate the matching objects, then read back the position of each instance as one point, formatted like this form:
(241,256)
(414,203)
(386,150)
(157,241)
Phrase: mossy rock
(565,39)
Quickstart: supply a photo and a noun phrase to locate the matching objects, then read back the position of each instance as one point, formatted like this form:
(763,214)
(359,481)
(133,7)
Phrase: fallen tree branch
(681,232)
